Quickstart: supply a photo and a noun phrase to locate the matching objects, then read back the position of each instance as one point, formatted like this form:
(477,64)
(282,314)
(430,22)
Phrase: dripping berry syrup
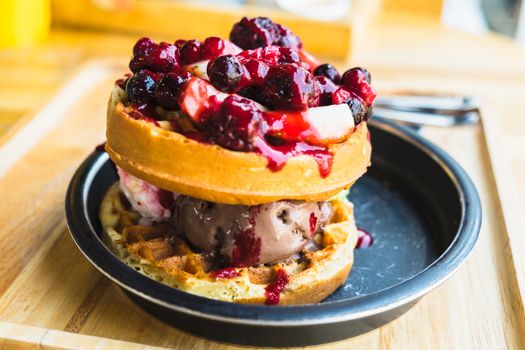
(364,239)
(313,223)
(226,273)
(274,289)
(135,114)
(247,248)
(166,198)
(277,156)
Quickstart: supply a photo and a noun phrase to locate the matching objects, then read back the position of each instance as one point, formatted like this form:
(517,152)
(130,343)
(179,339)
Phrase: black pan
(419,205)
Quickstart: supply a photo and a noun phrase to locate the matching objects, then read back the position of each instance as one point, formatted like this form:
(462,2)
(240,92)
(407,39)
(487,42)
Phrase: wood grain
(48,284)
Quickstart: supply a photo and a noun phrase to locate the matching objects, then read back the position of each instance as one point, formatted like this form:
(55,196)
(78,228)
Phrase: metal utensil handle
(437,104)
(425,118)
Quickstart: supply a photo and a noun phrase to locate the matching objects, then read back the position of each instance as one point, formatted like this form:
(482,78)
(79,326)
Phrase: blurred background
(28,21)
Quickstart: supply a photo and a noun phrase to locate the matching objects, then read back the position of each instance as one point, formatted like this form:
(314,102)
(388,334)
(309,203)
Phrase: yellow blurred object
(426,8)
(24,22)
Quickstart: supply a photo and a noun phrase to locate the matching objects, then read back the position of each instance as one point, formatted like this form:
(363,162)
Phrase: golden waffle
(172,161)
(158,252)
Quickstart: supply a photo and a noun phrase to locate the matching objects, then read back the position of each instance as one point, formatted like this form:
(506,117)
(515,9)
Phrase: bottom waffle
(160,253)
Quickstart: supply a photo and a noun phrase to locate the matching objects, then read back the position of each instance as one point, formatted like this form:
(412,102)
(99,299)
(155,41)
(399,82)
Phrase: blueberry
(329,71)
(141,85)
(225,73)
(168,90)
(358,109)
(357,80)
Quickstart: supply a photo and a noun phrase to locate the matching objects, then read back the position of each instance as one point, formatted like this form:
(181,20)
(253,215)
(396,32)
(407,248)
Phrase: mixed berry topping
(259,92)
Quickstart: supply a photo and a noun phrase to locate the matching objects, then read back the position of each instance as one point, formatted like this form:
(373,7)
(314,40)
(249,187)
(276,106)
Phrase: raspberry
(191,51)
(341,95)
(165,58)
(357,80)
(213,47)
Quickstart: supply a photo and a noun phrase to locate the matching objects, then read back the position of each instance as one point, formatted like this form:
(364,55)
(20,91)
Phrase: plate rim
(466,236)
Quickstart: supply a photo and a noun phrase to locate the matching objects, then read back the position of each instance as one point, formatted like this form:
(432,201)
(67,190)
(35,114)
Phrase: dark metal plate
(419,205)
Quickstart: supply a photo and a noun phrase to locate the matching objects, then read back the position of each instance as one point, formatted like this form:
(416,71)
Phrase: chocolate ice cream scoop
(248,236)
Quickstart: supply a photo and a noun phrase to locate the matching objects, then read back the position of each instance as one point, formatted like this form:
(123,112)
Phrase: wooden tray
(199,19)
(51,296)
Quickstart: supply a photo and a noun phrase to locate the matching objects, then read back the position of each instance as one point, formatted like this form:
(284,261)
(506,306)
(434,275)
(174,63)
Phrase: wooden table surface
(403,53)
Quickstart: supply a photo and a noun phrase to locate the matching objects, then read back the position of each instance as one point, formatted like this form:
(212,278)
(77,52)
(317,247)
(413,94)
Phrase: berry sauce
(313,223)
(274,289)
(166,198)
(226,273)
(135,114)
(247,247)
(364,239)
(278,155)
